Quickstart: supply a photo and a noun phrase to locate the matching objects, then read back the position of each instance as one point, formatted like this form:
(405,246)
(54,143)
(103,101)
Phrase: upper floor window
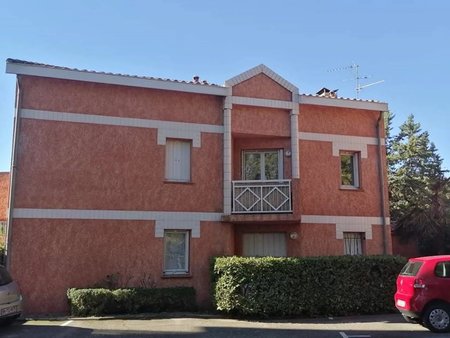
(349,169)
(178,160)
(262,165)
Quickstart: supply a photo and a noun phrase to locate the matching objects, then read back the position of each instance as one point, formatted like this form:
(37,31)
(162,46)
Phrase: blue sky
(404,43)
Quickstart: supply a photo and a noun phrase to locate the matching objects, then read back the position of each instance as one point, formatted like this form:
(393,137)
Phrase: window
(411,269)
(442,269)
(349,169)
(176,252)
(353,243)
(178,160)
(264,244)
(262,165)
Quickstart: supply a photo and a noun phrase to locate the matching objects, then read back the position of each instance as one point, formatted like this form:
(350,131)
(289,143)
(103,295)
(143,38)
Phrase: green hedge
(97,302)
(316,286)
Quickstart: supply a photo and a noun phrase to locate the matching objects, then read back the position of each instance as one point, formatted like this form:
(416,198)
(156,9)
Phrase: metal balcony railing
(255,197)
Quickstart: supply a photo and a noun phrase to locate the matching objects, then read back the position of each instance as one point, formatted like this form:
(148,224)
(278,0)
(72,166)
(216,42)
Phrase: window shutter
(178,160)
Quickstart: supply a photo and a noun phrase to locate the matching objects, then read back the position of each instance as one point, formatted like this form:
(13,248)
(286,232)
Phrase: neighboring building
(4,193)
(150,178)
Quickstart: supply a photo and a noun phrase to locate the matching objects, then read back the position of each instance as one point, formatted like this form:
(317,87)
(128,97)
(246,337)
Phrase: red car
(423,292)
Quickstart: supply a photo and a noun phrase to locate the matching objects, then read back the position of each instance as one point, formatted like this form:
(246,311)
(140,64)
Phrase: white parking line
(343,335)
(66,323)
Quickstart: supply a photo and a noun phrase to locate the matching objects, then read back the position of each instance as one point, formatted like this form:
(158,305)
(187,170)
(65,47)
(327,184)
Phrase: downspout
(381,185)
(227,165)
(12,174)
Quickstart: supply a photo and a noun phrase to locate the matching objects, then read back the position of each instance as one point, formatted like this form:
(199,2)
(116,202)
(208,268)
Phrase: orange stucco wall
(337,120)
(320,173)
(4,195)
(260,121)
(112,168)
(262,87)
(80,253)
(119,101)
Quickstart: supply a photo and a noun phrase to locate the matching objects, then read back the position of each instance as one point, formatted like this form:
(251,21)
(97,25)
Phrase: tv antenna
(357,78)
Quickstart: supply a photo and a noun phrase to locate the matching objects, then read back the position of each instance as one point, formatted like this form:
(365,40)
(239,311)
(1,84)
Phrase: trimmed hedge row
(316,286)
(95,302)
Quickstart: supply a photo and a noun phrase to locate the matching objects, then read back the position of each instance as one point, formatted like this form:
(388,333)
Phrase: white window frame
(262,164)
(182,271)
(355,156)
(353,243)
(178,160)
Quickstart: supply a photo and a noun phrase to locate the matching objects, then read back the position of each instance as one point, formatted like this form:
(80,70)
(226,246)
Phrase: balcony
(262,197)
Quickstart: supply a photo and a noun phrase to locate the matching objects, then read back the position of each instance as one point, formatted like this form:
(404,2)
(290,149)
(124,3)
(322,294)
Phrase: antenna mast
(357,78)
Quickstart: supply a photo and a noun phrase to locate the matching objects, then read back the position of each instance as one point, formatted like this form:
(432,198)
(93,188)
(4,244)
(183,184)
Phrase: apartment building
(148,178)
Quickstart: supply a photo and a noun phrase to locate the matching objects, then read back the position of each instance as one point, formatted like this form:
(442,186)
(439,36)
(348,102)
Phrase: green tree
(418,187)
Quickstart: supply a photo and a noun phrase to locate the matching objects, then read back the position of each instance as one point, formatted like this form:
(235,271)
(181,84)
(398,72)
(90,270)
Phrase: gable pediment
(260,80)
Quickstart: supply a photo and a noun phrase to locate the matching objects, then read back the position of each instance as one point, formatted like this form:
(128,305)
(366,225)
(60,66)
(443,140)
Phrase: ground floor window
(264,244)
(176,251)
(353,243)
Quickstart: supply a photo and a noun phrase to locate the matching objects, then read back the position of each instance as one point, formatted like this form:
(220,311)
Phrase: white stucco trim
(165,128)
(258,70)
(342,142)
(163,219)
(160,226)
(164,134)
(250,101)
(115,79)
(343,103)
(347,223)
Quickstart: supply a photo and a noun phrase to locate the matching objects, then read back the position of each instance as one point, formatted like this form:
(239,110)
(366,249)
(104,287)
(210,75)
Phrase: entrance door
(264,244)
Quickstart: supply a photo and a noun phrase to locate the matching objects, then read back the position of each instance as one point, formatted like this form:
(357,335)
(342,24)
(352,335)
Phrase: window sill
(178,182)
(176,275)
(350,188)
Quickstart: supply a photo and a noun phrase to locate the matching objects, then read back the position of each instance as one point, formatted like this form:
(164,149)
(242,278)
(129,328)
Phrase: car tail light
(419,284)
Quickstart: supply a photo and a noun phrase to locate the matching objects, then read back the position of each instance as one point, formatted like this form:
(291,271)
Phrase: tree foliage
(419,190)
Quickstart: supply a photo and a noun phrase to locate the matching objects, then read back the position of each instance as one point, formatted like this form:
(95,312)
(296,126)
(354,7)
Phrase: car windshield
(411,269)
(5,278)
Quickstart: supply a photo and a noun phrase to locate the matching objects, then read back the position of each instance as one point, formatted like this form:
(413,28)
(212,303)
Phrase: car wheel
(437,317)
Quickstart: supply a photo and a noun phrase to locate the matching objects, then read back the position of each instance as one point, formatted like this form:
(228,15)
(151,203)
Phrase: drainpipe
(381,185)
(227,155)
(13,172)
(294,142)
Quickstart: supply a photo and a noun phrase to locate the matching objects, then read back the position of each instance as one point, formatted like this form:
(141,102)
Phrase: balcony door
(262,165)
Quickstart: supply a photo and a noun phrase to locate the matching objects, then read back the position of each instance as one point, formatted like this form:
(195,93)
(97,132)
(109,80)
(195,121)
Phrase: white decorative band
(347,223)
(194,226)
(195,136)
(250,101)
(120,121)
(343,142)
(163,219)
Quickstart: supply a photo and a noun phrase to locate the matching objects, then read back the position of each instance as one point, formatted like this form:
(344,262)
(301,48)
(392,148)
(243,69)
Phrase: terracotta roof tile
(200,83)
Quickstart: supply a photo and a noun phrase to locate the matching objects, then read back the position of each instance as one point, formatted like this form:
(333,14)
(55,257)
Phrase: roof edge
(342,102)
(19,67)
(261,69)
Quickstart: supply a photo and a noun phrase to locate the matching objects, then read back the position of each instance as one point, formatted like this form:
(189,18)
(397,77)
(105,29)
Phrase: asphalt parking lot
(379,326)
